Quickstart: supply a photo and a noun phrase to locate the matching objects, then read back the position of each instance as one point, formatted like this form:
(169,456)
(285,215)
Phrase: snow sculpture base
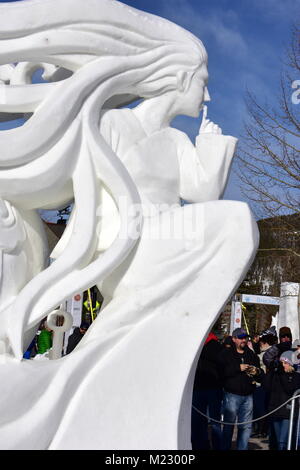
(141,391)
(131,389)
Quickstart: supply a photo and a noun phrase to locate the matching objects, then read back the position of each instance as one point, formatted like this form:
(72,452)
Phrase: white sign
(74,306)
(236,316)
(260,299)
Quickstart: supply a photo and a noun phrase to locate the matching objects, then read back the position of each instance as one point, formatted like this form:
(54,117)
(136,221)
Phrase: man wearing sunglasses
(240,370)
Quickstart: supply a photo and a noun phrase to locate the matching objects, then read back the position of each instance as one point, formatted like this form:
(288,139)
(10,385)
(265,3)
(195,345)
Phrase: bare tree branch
(280,249)
(268,159)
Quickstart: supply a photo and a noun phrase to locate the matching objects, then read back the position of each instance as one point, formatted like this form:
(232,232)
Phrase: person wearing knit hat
(272,355)
(281,383)
(285,332)
(296,344)
(267,339)
(287,357)
(269,332)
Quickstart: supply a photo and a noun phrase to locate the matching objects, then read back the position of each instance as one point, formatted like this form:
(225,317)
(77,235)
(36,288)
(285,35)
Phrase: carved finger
(204,116)
(203,127)
(204,120)
(206,126)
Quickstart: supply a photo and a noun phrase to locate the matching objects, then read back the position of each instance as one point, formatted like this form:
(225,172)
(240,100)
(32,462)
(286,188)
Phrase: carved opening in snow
(13,79)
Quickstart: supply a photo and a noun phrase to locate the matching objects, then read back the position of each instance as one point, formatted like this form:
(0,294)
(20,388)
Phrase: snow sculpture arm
(204,168)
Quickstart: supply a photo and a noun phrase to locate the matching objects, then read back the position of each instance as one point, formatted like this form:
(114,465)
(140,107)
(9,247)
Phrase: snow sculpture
(165,270)
(58,331)
(289,307)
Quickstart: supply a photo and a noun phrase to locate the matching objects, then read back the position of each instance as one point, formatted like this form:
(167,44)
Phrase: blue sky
(246,42)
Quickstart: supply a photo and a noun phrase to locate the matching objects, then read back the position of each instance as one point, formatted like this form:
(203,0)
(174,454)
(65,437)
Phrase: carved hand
(207,126)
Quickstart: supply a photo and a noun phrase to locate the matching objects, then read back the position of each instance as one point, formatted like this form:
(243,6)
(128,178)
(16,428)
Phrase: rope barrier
(247,422)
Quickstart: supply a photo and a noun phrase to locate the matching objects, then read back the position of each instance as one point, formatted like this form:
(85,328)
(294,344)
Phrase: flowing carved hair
(108,49)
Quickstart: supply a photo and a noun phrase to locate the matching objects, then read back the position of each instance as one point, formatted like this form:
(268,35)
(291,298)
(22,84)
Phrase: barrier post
(298,426)
(292,412)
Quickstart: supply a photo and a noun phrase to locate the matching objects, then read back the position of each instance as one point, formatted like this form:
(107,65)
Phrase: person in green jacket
(44,339)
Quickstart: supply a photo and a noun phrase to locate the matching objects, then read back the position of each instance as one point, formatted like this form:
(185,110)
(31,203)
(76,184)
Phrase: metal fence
(294,421)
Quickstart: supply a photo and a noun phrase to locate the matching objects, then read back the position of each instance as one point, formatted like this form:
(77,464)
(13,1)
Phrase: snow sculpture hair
(59,150)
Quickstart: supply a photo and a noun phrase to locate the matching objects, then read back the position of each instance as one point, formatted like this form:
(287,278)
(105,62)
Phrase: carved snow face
(196,93)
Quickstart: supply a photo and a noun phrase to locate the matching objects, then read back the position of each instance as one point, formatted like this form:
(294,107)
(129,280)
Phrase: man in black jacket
(207,396)
(240,370)
(77,336)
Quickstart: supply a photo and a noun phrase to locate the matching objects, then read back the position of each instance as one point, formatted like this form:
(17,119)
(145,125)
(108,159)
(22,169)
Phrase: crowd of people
(42,341)
(238,381)
(242,379)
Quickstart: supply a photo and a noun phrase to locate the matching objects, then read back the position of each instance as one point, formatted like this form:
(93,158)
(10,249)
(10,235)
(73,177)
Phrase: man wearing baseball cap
(240,370)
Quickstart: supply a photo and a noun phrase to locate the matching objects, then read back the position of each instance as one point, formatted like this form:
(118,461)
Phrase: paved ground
(259,444)
(254,443)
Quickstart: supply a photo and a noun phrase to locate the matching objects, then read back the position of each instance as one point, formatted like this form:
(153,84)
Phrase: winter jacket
(280,386)
(261,358)
(256,347)
(272,355)
(234,380)
(207,372)
(74,340)
(44,341)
